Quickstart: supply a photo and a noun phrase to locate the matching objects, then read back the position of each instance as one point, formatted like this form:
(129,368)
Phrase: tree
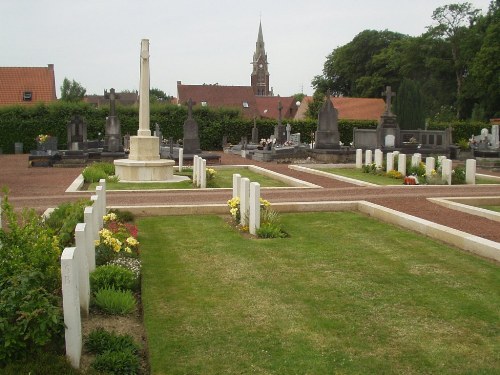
(315,105)
(409,105)
(354,70)
(451,26)
(157,95)
(72,91)
(298,97)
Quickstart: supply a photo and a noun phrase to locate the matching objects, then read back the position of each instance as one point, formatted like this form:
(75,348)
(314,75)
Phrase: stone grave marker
(368,157)
(359,158)
(327,136)
(379,158)
(191,141)
(430,165)
(390,161)
(470,171)
(402,164)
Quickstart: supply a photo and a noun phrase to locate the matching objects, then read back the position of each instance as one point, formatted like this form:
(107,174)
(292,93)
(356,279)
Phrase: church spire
(260,73)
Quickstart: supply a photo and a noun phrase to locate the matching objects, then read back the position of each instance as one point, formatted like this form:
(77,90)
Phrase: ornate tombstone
(191,140)
(327,136)
(388,124)
(113,134)
(77,133)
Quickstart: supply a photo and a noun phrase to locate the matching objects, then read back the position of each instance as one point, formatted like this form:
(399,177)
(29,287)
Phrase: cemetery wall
(24,124)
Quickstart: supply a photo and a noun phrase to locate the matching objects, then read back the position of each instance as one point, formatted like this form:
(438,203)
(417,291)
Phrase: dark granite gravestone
(327,136)
(279,131)
(388,131)
(191,140)
(77,133)
(255,132)
(113,134)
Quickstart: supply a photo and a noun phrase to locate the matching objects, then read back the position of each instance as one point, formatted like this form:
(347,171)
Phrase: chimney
(50,66)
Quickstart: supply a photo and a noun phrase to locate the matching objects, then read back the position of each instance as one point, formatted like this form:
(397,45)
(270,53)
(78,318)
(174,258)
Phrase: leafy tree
(72,91)
(451,26)
(315,105)
(409,105)
(298,97)
(157,95)
(357,69)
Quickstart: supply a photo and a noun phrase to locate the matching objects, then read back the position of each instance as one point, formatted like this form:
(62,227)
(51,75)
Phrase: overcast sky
(97,42)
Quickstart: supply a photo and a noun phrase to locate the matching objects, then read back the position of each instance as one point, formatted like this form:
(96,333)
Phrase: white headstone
(368,157)
(495,136)
(83,268)
(416,159)
(446,170)
(236,185)
(244,200)
(203,174)
(470,171)
(390,161)
(71,307)
(88,218)
(379,158)
(402,164)
(359,158)
(390,140)
(430,165)
(194,169)
(181,159)
(97,215)
(254,215)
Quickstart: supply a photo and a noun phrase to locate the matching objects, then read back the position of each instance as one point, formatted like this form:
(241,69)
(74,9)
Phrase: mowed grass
(491,208)
(366,177)
(222,179)
(383,180)
(344,294)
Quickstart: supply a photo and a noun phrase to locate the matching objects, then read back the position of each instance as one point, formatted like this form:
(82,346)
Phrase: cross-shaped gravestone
(288,129)
(190,108)
(280,108)
(388,98)
(112,96)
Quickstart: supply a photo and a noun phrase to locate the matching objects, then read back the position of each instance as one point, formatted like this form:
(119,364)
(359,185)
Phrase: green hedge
(24,123)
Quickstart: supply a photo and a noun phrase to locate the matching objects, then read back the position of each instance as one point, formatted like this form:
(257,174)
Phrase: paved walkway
(40,188)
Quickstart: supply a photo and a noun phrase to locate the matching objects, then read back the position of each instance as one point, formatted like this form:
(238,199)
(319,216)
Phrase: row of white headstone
(199,172)
(76,264)
(416,159)
(249,194)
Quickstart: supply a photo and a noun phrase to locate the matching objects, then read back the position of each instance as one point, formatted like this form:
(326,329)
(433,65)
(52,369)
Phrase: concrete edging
(330,175)
(462,240)
(468,206)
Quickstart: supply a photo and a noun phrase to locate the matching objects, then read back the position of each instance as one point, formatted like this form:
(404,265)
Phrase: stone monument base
(145,170)
(333,156)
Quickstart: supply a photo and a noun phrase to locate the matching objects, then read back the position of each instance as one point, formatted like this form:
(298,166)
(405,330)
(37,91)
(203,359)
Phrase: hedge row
(23,124)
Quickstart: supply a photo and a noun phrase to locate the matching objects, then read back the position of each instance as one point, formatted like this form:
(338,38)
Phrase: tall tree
(157,95)
(451,25)
(352,70)
(409,105)
(72,91)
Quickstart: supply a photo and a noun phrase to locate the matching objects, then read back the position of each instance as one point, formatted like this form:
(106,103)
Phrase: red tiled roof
(350,108)
(219,96)
(268,106)
(15,81)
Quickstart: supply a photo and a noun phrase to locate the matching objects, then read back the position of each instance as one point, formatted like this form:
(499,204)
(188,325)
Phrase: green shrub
(113,276)
(123,216)
(30,316)
(119,363)
(64,218)
(116,302)
(28,244)
(458,176)
(96,171)
(42,363)
(132,264)
(418,170)
(100,341)
(270,231)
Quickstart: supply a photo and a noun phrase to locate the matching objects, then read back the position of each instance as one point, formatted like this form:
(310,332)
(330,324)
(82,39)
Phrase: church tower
(260,73)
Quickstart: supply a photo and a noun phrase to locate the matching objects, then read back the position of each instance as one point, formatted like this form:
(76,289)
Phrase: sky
(97,42)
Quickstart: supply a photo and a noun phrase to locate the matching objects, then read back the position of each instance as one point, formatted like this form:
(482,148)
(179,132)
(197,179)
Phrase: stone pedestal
(144,163)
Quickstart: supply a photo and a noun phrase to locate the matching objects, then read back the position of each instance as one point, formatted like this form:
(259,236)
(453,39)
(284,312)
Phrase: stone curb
(462,240)
(468,205)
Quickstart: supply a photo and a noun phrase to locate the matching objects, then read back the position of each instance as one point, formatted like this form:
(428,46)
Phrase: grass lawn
(223,179)
(359,175)
(344,294)
(383,180)
(492,208)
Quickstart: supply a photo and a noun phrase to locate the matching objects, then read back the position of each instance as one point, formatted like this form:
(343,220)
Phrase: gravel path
(40,188)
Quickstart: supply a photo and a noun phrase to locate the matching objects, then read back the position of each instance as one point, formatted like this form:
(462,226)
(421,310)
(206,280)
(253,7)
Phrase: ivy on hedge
(25,123)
